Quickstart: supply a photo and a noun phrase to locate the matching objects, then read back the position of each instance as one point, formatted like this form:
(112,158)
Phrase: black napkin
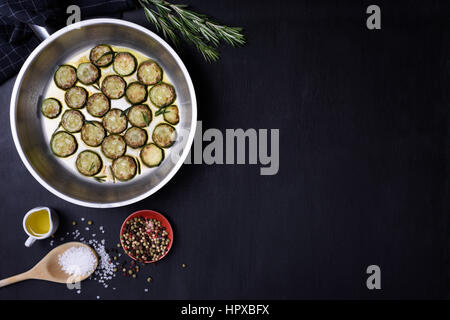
(17,40)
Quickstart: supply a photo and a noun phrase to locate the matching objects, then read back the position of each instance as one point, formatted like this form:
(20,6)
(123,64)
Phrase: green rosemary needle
(100,179)
(162,110)
(198,29)
(145,117)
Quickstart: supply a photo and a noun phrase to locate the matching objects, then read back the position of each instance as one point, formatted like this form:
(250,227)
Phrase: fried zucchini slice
(114,146)
(149,73)
(136,137)
(92,133)
(88,163)
(98,105)
(51,108)
(124,168)
(152,155)
(101,55)
(162,95)
(63,144)
(65,76)
(140,115)
(88,73)
(113,87)
(115,121)
(124,63)
(171,114)
(76,97)
(136,93)
(72,120)
(164,135)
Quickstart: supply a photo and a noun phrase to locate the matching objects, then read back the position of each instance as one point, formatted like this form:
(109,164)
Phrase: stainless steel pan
(26,122)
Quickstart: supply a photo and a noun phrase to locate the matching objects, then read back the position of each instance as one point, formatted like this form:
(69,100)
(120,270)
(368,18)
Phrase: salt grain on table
(105,270)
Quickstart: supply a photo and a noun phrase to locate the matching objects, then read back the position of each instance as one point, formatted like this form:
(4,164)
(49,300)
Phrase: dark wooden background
(363,119)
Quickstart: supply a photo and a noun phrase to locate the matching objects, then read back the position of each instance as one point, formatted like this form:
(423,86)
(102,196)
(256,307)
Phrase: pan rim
(13,108)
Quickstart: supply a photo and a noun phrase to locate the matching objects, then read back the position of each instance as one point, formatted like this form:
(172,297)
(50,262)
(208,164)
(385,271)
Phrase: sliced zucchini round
(98,105)
(92,133)
(124,168)
(124,63)
(114,146)
(51,108)
(115,121)
(136,137)
(140,115)
(149,73)
(88,163)
(101,55)
(164,135)
(162,94)
(136,93)
(152,155)
(76,97)
(114,87)
(63,144)
(72,120)
(65,77)
(87,73)
(171,114)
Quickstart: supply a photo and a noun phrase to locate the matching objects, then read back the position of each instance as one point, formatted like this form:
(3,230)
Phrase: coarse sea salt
(106,269)
(77,261)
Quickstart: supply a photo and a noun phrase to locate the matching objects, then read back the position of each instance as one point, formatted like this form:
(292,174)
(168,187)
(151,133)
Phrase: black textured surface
(363,177)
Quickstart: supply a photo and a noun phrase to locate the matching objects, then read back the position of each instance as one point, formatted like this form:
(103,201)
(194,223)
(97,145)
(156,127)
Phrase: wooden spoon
(49,269)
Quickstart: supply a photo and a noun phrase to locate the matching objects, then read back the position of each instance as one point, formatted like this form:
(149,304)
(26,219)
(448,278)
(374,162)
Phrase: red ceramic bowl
(150,214)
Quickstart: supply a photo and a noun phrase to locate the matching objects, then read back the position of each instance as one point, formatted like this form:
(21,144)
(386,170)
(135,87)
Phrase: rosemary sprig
(198,29)
(91,167)
(145,117)
(124,112)
(161,111)
(100,179)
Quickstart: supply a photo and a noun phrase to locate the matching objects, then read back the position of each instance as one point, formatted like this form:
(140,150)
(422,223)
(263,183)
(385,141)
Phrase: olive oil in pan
(50,126)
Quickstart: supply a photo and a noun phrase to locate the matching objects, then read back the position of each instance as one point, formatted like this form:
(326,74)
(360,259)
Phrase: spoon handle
(14,279)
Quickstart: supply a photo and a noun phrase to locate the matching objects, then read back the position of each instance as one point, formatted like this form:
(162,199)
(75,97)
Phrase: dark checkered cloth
(17,40)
